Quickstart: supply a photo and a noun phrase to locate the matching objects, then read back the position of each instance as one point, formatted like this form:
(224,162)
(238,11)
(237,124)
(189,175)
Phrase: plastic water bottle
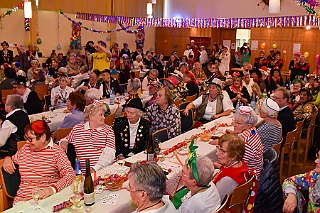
(112,96)
(253,102)
(238,106)
(264,94)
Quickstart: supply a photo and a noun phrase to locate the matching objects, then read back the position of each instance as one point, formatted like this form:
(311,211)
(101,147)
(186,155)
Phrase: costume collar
(87,127)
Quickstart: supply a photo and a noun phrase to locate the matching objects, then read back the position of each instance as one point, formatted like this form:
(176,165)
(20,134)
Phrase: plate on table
(33,209)
(205,137)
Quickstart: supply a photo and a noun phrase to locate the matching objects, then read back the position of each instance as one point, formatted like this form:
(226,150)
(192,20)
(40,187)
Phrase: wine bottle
(79,179)
(150,147)
(156,146)
(88,186)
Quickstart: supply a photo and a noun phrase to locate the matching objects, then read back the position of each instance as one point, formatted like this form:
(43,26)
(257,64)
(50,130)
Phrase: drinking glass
(121,160)
(35,194)
(51,111)
(76,201)
(125,93)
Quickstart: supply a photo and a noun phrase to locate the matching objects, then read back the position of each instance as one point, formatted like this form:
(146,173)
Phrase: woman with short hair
(165,114)
(147,186)
(75,104)
(269,112)
(133,87)
(60,94)
(152,76)
(92,139)
(233,170)
(131,131)
(237,92)
(35,74)
(108,83)
(72,66)
(42,164)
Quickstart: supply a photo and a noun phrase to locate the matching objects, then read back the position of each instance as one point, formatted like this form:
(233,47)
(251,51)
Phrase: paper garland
(9,12)
(123,28)
(259,22)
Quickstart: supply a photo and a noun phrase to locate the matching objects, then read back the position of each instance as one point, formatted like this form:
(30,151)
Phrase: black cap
(20,80)
(134,103)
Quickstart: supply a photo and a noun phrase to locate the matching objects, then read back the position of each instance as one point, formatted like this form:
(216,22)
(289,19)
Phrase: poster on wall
(226,43)
(233,46)
(254,45)
(296,48)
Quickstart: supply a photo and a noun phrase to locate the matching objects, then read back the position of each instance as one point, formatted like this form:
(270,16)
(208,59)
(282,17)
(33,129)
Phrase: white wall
(13,32)
(226,9)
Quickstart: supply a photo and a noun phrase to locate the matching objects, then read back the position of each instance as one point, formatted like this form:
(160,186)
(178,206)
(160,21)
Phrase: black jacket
(285,117)
(6,58)
(269,196)
(33,104)
(122,135)
(113,84)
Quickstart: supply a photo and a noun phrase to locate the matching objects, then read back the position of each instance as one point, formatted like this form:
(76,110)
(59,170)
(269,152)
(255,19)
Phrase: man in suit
(285,116)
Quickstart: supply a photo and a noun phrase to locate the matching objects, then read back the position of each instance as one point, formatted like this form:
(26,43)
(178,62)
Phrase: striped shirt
(253,154)
(270,134)
(98,145)
(48,167)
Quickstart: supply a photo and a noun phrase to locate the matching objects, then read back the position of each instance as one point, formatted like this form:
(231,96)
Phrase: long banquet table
(124,203)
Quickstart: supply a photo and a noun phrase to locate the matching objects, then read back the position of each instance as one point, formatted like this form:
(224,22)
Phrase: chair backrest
(186,121)
(110,118)
(137,74)
(62,133)
(162,134)
(224,205)
(123,87)
(10,182)
(41,89)
(299,126)
(240,196)
(191,98)
(115,76)
(7,92)
(178,102)
(184,105)
(20,144)
(277,147)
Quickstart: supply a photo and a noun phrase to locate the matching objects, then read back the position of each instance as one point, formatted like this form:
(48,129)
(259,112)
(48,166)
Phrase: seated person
(191,83)
(100,149)
(75,104)
(201,194)
(165,114)
(131,132)
(138,63)
(147,186)
(113,67)
(42,164)
(211,105)
(12,129)
(92,82)
(72,66)
(83,75)
(152,76)
(295,95)
(233,170)
(177,87)
(35,74)
(60,94)
(32,103)
(10,75)
(53,70)
(133,88)
(252,87)
(93,94)
(154,87)
(274,80)
(237,92)
(269,112)
(108,83)
(292,187)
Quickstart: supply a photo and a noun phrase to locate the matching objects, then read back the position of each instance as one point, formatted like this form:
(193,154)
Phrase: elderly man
(32,103)
(285,116)
(12,129)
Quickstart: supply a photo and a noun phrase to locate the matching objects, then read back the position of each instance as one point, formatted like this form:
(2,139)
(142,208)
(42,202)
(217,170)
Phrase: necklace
(202,188)
(148,207)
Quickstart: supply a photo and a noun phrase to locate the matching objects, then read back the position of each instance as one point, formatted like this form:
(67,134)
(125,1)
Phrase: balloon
(36,48)
(39,41)
(274,46)
(263,45)
(284,51)
(108,38)
(165,41)
(306,54)
(58,47)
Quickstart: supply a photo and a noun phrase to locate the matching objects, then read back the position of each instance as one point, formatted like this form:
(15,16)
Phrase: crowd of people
(80,82)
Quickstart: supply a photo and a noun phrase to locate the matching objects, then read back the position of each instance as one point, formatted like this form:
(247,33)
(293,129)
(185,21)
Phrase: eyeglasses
(276,98)
(219,149)
(134,190)
(28,139)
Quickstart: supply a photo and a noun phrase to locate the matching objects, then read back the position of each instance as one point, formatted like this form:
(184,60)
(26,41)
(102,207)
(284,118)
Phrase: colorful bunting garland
(9,12)
(123,28)
(283,21)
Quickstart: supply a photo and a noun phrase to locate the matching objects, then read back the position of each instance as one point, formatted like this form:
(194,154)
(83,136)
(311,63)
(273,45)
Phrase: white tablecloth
(124,203)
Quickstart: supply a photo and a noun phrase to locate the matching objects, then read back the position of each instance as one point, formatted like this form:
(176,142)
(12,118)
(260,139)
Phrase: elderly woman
(295,95)
(92,139)
(12,128)
(198,72)
(133,87)
(244,121)
(35,74)
(108,83)
(237,92)
(131,132)
(138,63)
(92,82)
(153,76)
(191,83)
(233,170)
(211,105)
(292,187)
(252,87)
(72,66)
(269,113)
(154,87)
(91,96)
(83,75)
(203,195)
(60,94)
(34,167)
(165,114)
(75,104)
(147,186)
(176,85)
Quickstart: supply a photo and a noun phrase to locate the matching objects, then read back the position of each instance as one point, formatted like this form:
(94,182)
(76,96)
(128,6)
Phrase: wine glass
(76,201)
(125,93)
(51,112)
(121,160)
(36,194)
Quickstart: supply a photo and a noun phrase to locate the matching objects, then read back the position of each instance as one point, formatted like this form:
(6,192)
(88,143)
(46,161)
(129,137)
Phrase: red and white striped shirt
(98,145)
(253,155)
(48,167)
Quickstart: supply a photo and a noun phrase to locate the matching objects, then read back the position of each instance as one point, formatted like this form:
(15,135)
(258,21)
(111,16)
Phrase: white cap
(270,105)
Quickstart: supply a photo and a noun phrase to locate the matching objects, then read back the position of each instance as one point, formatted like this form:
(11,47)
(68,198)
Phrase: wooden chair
(62,133)
(277,147)
(115,76)
(298,141)
(186,121)
(110,118)
(178,102)
(162,134)
(240,196)
(287,150)
(184,105)
(20,144)
(191,98)
(137,74)
(5,93)
(309,138)
(224,205)
(41,89)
